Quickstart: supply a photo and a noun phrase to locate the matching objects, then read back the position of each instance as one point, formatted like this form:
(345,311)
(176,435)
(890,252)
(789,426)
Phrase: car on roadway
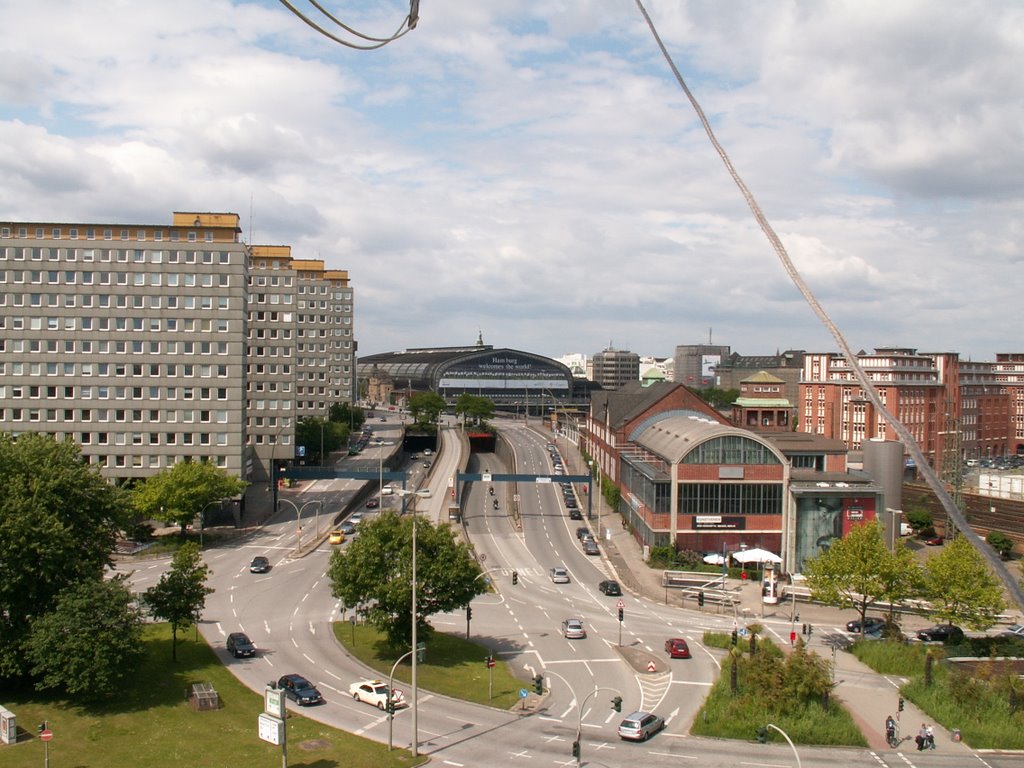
(425,465)
(238,645)
(356,519)
(337,536)
(676,648)
(590,547)
(872,624)
(941,633)
(372,503)
(583,533)
(300,690)
(640,726)
(610,587)
(935,541)
(347,527)
(383,418)
(1015,630)
(575,514)
(573,629)
(559,575)
(375,692)
(259,564)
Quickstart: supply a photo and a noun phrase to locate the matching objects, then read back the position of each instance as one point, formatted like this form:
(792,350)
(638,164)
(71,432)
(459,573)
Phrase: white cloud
(534,171)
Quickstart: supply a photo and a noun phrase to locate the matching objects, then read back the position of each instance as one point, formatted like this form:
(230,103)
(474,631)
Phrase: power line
(407,25)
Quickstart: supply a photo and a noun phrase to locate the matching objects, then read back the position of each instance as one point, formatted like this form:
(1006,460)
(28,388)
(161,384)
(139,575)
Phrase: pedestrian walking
(921,738)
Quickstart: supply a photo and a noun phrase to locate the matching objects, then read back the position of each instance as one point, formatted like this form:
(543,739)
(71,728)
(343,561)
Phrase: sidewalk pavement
(868,696)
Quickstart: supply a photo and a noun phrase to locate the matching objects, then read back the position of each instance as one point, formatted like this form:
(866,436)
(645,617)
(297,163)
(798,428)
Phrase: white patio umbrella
(714,559)
(759,556)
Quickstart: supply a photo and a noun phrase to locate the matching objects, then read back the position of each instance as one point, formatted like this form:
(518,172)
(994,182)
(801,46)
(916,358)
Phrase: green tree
(180,595)
(719,398)
(474,410)
(919,518)
(374,573)
(180,494)
(857,571)
(59,521)
(961,588)
(425,408)
(91,643)
(352,417)
(314,434)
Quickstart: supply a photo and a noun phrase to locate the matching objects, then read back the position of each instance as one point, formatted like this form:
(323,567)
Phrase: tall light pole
(423,493)
(380,469)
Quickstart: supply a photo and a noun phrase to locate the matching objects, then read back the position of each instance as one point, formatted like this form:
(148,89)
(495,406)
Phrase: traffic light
(762,735)
(41,727)
(901,704)
(617,703)
(576,750)
(620,614)
(700,599)
(734,637)
(515,578)
(469,612)
(538,685)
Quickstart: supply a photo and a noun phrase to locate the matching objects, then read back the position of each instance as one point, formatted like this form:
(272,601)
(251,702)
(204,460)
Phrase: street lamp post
(423,493)
(786,737)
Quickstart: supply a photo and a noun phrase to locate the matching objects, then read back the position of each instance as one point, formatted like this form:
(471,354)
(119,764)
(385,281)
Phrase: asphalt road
(288,614)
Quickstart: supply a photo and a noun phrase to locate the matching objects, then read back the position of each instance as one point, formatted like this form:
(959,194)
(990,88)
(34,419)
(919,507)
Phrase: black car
(300,690)
(238,645)
(590,547)
(610,587)
(872,624)
(582,532)
(575,514)
(259,564)
(941,633)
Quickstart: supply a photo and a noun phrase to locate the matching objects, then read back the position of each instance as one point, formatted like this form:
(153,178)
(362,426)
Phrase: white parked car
(376,692)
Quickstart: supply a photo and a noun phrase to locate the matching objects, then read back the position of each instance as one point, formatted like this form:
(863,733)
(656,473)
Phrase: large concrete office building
(148,344)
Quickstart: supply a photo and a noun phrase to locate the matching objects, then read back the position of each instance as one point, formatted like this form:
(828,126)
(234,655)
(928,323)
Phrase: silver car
(640,726)
(573,629)
(559,576)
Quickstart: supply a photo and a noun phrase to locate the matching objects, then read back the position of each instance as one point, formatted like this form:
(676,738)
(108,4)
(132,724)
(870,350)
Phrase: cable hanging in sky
(408,24)
(954,513)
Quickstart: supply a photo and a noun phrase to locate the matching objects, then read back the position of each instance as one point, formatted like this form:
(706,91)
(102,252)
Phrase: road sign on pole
(46,735)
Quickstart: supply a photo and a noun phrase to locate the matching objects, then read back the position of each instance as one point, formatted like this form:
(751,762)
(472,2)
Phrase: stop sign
(46,735)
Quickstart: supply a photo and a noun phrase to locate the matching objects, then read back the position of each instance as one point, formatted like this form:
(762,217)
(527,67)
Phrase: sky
(532,172)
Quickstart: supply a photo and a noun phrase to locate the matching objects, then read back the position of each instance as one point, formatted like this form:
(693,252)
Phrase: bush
(1000,542)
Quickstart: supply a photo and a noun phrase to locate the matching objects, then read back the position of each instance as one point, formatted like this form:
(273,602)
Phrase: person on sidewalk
(921,738)
(929,737)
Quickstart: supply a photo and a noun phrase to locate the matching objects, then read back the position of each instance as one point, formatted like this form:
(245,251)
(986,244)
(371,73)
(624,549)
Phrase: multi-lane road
(288,613)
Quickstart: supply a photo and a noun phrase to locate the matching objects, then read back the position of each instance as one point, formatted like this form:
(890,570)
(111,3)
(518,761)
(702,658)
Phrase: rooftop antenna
(709,337)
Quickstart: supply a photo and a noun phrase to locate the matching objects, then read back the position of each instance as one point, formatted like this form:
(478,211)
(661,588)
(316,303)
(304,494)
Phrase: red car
(676,648)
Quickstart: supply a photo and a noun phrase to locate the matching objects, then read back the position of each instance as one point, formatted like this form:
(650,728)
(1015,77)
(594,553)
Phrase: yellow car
(336,537)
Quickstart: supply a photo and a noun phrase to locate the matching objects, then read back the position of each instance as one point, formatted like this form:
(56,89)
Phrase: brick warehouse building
(688,478)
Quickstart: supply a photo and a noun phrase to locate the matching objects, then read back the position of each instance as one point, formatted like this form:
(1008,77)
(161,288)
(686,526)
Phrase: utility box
(8,726)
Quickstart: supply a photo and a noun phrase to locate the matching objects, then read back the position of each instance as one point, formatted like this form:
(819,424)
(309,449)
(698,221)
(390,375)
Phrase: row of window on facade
(125,415)
(119,370)
(134,279)
(104,392)
(88,347)
(122,255)
(149,461)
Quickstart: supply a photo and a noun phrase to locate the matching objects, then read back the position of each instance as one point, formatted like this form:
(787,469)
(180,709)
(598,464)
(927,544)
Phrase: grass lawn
(153,725)
(453,666)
